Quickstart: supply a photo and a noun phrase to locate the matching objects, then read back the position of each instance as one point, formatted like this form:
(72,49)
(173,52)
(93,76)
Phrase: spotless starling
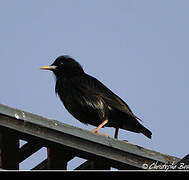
(90,101)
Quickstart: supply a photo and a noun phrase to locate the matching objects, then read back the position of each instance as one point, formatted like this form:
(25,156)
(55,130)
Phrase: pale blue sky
(139,49)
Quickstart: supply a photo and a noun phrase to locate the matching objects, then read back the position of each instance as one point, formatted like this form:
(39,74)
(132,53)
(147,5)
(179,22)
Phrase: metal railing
(64,142)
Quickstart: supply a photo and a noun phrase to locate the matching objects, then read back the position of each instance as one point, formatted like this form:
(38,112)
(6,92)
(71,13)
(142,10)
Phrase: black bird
(90,101)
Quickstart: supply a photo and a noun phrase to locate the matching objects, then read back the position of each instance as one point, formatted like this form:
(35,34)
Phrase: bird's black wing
(94,87)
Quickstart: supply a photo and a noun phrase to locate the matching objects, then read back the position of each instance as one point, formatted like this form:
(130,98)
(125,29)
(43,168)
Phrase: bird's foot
(96,131)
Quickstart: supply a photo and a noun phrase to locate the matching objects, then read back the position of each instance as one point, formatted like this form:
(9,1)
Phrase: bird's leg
(116,133)
(99,127)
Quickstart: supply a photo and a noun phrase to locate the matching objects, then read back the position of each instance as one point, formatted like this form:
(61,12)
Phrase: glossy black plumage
(90,101)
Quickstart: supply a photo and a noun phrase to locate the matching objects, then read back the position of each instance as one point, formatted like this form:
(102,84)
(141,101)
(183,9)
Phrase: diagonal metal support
(94,165)
(41,166)
(27,150)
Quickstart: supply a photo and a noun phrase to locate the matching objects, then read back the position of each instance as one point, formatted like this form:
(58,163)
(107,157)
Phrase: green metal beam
(84,143)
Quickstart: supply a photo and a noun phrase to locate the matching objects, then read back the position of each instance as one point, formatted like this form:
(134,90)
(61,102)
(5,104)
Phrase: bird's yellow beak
(45,67)
(48,67)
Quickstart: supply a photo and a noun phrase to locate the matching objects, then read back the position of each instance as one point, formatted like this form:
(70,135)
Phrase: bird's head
(65,66)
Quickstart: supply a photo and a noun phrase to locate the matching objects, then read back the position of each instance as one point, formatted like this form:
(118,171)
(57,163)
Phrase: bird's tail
(135,126)
(145,131)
